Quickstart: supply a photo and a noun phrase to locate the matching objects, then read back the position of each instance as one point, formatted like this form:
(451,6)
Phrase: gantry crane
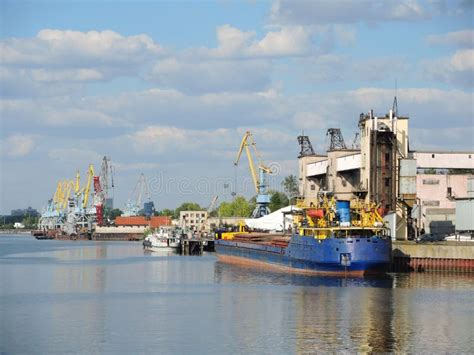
(259,181)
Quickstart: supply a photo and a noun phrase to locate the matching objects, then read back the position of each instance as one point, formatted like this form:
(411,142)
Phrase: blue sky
(169,88)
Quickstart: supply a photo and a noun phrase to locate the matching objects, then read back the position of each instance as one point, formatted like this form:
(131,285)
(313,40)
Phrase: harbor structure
(382,169)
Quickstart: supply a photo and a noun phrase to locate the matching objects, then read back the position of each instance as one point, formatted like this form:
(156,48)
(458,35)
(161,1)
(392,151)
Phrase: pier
(196,246)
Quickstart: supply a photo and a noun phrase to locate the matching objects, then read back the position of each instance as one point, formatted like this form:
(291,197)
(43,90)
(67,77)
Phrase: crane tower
(259,181)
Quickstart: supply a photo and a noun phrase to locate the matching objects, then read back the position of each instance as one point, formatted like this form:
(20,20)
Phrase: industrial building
(417,188)
(193,220)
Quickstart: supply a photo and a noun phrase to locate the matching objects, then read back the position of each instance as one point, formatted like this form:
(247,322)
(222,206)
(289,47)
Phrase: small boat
(162,239)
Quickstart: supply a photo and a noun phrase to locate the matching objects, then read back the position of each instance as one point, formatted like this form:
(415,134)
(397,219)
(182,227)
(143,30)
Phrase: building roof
(154,221)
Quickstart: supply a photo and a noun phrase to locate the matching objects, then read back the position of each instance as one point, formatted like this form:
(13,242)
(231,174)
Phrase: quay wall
(441,256)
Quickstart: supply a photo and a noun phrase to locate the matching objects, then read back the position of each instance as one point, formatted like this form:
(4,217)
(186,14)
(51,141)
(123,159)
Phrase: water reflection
(114,297)
(227,273)
(398,313)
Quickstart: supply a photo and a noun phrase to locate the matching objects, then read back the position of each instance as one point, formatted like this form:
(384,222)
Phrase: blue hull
(335,256)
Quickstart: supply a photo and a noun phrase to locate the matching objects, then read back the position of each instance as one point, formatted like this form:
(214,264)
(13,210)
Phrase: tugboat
(163,239)
(330,238)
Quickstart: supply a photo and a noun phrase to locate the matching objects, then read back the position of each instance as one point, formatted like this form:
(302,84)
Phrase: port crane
(212,204)
(259,180)
(133,205)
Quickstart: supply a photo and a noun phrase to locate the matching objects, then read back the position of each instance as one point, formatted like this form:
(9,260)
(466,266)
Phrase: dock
(439,256)
(196,246)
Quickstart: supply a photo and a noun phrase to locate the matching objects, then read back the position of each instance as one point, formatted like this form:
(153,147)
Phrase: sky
(168,88)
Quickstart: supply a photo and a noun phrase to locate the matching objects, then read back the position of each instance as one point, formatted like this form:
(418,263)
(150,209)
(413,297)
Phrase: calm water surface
(112,297)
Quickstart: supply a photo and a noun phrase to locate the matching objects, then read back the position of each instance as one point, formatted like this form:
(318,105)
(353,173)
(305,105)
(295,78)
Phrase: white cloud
(65,57)
(232,41)
(286,41)
(68,49)
(58,112)
(308,120)
(18,145)
(66,75)
(345,11)
(158,140)
(456,138)
(464,39)
(78,156)
(340,68)
(457,69)
(207,75)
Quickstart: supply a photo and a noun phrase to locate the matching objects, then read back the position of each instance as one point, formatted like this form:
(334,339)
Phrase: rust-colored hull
(235,260)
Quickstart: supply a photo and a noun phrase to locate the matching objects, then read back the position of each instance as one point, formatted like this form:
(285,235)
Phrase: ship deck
(273,239)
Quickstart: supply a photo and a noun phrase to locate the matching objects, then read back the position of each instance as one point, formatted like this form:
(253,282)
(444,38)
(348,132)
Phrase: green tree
(165,212)
(278,200)
(186,206)
(290,186)
(240,207)
(225,209)
(30,222)
(114,213)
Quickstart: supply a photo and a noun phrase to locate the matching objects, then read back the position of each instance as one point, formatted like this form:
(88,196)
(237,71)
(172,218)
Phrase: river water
(112,297)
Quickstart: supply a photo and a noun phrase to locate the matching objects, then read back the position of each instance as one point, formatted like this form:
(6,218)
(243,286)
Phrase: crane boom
(77,185)
(246,141)
(259,182)
(90,175)
(67,193)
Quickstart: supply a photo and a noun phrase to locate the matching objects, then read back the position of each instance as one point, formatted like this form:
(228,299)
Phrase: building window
(450,191)
(430,203)
(387,157)
(430,182)
(387,181)
(313,187)
(432,155)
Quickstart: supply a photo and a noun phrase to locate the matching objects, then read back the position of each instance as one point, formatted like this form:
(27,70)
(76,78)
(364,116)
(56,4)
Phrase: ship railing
(344,232)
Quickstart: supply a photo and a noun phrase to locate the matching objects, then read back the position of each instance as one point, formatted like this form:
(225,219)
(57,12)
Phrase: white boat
(162,239)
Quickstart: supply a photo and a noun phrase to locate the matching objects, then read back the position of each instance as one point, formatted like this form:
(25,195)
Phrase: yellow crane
(259,180)
(57,196)
(77,184)
(66,193)
(87,187)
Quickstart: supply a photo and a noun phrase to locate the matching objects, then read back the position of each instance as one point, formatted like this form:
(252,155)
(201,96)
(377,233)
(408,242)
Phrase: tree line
(239,207)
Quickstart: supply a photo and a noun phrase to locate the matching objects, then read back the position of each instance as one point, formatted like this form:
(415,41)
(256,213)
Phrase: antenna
(395,106)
